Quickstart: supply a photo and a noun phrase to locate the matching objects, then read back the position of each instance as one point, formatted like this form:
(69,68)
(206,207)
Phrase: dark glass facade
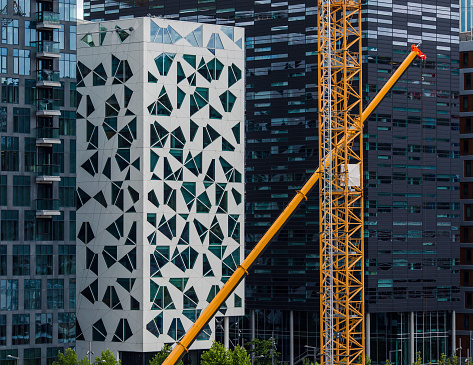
(411,165)
(37,179)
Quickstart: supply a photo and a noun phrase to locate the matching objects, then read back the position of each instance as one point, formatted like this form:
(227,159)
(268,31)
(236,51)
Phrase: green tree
(216,355)
(387,362)
(107,358)
(418,359)
(159,358)
(239,356)
(69,357)
(263,351)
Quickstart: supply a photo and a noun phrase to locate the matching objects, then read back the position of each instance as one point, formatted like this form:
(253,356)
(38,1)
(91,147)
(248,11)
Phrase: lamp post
(90,352)
(459,349)
(390,352)
(14,358)
(315,351)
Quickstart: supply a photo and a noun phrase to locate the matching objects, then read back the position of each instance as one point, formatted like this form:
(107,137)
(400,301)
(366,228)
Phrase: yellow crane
(182,347)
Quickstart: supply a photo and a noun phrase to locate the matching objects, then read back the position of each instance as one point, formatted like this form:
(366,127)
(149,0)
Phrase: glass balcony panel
(47,170)
(47,104)
(47,132)
(47,17)
(47,75)
(47,204)
(47,46)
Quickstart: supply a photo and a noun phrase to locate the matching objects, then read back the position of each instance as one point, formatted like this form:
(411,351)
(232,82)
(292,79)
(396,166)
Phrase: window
(61,37)
(3,119)
(32,294)
(68,10)
(66,328)
(67,123)
(73,96)
(30,154)
(3,330)
(10,31)
(9,295)
(10,152)
(58,155)
(9,225)
(52,354)
(465,103)
(44,259)
(21,260)
(72,293)
(44,328)
(73,38)
(21,120)
(468,168)
(72,156)
(3,190)
(20,329)
(3,60)
(72,226)
(67,261)
(30,87)
(55,290)
(10,90)
(67,65)
(30,33)
(58,227)
(29,226)
(67,190)
(32,357)
(3,260)
(467,81)
(21,62)
(465,59)
(21,191)
(24,7)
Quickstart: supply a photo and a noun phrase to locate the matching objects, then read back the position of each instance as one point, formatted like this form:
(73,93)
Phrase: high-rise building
(411,169)
(160,181)
(465,16)
(465,312)
(37,179)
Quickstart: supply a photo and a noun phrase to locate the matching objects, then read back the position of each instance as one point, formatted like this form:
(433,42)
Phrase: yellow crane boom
(182,347)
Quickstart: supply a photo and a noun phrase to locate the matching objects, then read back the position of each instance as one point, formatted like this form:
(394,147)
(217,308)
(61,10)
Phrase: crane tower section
(341,182)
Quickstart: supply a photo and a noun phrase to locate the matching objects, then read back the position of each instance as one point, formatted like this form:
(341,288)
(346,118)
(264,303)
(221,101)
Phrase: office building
(37,179)
(465,15)
(411,169)
(160,176)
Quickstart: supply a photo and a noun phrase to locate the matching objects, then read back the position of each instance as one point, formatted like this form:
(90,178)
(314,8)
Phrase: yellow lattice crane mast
(341,183)
(337,345)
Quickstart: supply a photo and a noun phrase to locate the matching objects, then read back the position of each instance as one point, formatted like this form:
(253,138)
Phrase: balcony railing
(47,104)
(47,46)
(47,132)
(47,75)
(47,170)
(47,17)
(47,204)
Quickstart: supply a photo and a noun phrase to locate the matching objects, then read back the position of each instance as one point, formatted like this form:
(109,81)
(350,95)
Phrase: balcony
(47,20)
(46,208)
(47,136)
(46,174)
(47,107)
(47,49)
(47,78)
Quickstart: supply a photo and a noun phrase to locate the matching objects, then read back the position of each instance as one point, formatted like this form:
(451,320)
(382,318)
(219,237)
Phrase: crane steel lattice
(341,185)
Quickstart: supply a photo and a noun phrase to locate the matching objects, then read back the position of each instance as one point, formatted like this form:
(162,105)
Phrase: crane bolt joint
(301,193)
(246,271)
(184,347)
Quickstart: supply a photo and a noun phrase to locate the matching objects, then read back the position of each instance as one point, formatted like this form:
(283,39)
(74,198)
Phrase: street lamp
(14,358)
(390,352)
(315,351)
(459,349)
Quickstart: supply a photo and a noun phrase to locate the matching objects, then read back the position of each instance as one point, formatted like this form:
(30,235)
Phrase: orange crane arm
(241,271)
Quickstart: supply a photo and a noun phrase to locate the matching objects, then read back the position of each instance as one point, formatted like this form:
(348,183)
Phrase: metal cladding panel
(160,179)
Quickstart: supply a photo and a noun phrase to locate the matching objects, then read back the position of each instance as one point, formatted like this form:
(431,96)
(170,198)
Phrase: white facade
(160,179)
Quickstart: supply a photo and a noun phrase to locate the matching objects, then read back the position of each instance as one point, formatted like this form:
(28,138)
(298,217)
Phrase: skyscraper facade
(411,169)
(465,15)
(37,179)
(160,181)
